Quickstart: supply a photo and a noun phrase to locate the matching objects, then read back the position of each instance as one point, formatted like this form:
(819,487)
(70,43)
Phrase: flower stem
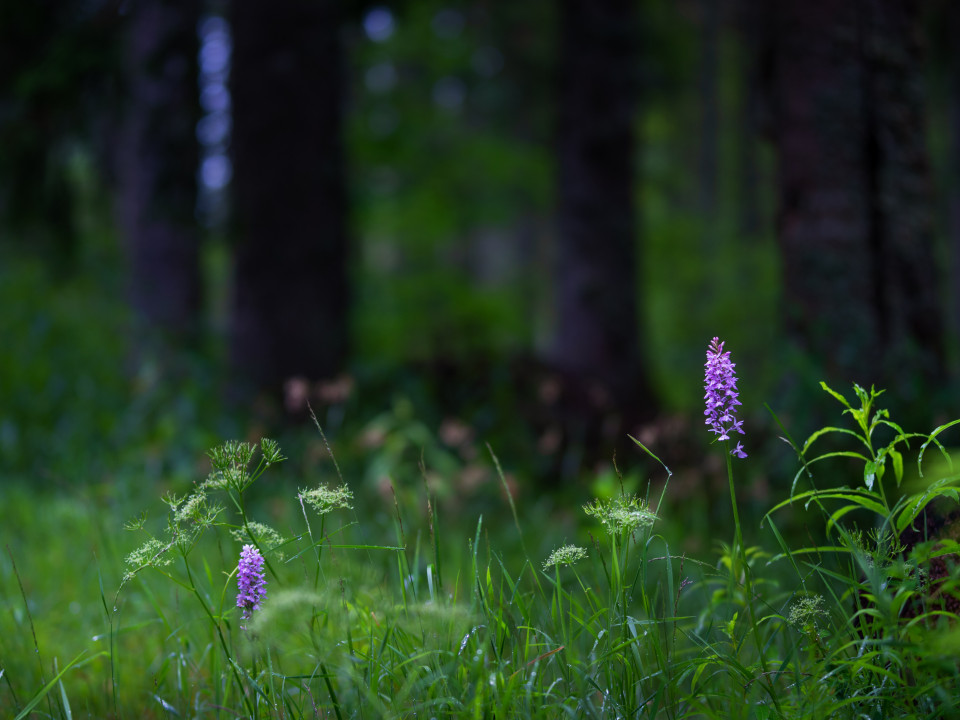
(740,553)
(223,643)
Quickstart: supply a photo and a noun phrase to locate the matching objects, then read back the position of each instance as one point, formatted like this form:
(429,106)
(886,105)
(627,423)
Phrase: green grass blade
(42,693)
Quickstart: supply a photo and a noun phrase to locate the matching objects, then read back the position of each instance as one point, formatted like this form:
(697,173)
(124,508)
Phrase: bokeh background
(445,223)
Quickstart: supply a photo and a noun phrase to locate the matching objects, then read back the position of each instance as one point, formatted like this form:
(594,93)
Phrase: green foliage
(74,403)
(897,512)
(450,620)
(876,648)
(449,195)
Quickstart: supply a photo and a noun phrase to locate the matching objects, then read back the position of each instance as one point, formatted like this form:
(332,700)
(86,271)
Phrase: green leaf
(42,693)
(819,550)
(704,664)
(915,504)
(944,427)
(826,430)
(866,500)
(793,485)
(68,713)
(840,398)
(897,464)
(931,438)
(902,434)
(841,453)
(835,517)
(788,438)
(731,626)
(647,451)
(785,548)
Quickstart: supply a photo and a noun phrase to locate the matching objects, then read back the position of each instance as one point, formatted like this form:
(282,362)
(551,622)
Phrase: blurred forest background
(460,221)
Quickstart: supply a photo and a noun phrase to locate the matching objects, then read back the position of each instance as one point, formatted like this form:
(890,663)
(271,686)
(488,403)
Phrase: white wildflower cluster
(622,515)
(806,610)
(324,499)
(153,553)
(262,535)
(565,555)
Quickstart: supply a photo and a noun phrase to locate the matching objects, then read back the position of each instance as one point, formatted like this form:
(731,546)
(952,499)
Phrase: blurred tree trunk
(596,343)
(289,305)
(952,21)
(709,118)
(855,222)
(157,166)
(750,27)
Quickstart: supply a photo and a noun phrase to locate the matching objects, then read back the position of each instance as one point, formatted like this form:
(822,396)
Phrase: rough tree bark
(597,326)
(157,166)
(855,226)
(289,305)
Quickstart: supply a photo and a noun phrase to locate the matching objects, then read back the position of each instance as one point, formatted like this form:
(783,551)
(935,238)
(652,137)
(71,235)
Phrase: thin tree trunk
(157,166)
(289,305)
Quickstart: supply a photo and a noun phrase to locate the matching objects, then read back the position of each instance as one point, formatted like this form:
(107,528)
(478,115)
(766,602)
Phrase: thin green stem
(740,550)
(223,641)
(238,501)
(317,546)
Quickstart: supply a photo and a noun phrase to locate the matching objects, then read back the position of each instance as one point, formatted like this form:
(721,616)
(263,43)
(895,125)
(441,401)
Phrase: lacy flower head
(720,384)
(250,581)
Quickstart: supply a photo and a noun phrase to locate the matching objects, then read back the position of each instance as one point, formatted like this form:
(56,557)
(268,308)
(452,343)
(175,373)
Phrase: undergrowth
(437,619)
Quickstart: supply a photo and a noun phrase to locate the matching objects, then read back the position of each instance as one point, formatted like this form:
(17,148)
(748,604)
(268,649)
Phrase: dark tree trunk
(597,331)
(751,31)
(289,306)
(157,166)
(952,18)
(855,220)
(709,116)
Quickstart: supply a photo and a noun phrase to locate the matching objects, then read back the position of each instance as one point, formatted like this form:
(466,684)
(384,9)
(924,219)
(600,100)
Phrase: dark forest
(446,273)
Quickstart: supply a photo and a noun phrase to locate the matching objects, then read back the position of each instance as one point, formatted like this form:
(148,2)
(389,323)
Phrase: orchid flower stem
(740,555)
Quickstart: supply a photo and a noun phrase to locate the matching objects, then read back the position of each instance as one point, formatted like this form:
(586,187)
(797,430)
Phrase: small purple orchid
(720,384)
(250,581)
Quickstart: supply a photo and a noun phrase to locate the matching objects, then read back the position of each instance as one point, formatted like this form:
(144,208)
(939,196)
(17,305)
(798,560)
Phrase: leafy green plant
(876,647)
(313,614)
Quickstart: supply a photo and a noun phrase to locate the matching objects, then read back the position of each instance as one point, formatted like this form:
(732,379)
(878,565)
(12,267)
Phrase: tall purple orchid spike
(720,384)
(251,583)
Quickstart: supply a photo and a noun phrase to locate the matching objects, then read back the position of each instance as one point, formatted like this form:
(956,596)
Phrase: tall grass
(436,618)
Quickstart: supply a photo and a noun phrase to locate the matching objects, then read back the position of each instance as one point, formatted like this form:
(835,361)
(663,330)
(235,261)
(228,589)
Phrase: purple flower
(250,581)
(720,384)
